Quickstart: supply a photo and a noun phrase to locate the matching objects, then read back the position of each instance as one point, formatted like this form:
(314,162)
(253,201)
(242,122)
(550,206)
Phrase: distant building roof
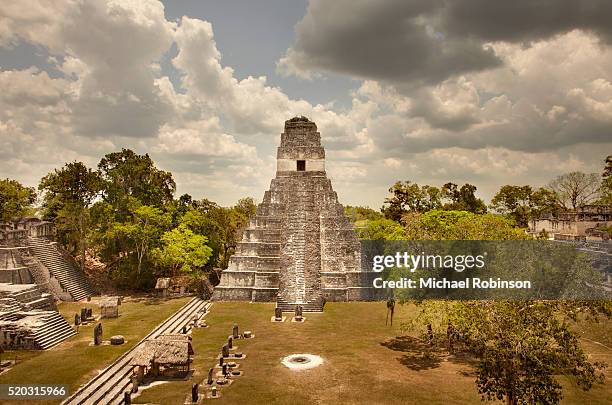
(109,302)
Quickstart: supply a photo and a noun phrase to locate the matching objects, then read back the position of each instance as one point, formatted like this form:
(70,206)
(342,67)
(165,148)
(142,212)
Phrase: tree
(410,197)
(520,345)
(74,183)
(514,201)
(200,223)
(16,200)
(357,214)
(608,168)
(576,189)
(382,229)
(606,183)
(523,204)
(145,226)
(231,222)
(179,207)
(182,250)
(127,174)
(544,201)
(68,194)
(222,226)
(463,199)
(407,197)
(460,225)
(246,208)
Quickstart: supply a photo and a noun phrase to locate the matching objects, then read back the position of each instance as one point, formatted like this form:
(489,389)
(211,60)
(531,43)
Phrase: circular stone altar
(302,361)
(117,340)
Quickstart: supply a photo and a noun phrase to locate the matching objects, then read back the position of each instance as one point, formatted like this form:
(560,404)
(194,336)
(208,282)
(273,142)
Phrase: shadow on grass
(420,356)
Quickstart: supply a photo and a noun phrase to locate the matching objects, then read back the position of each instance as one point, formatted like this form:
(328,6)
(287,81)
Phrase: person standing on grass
(390,308)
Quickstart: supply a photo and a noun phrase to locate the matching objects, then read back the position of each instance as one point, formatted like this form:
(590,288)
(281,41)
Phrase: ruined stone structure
(586,223)
(28,255)
(300,249)
(34,274)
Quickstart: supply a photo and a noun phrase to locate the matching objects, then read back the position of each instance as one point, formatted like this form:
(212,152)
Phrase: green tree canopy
(182,250)
(408,196)
(127,174)
(357,214)
(523,204)
(16,200)
(521,346)
(141,231)
(74,184)
(68,194)
(460,225)
(382,229)
(606,184)
(463,199)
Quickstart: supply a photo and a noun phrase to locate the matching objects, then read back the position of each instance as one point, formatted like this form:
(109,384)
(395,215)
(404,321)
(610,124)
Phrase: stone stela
(98,335)
(300,249)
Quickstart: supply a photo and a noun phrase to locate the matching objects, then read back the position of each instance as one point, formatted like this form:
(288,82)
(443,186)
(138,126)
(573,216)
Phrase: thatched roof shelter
(165,350)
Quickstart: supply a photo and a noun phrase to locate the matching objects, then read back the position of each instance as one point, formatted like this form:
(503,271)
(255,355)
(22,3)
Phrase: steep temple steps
(52,330)
(70,277)
(315,306)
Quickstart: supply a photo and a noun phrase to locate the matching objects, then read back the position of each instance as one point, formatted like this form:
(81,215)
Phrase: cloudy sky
(479,91)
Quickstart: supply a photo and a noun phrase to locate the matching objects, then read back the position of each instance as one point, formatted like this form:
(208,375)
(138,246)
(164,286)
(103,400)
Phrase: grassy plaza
(364,360)
(76,361)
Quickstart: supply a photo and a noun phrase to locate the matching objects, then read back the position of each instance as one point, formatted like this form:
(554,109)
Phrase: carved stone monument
(300,249)
(230,342)
(235,331)
(298,313)
(225,351)
(194,393)
(98,334)
(209,381)
(278,314)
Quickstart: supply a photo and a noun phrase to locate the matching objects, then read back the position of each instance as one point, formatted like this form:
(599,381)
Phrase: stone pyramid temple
(300,249)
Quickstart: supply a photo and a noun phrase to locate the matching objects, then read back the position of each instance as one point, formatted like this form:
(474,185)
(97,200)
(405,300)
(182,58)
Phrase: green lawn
(366,362)
(74,361)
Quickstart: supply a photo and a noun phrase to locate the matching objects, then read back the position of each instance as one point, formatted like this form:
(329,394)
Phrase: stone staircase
(299,245)
(36,271)
(29,319)
(52,330)
(60,267)
(33,330)
(301,280)
(312,306)
(8,306)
